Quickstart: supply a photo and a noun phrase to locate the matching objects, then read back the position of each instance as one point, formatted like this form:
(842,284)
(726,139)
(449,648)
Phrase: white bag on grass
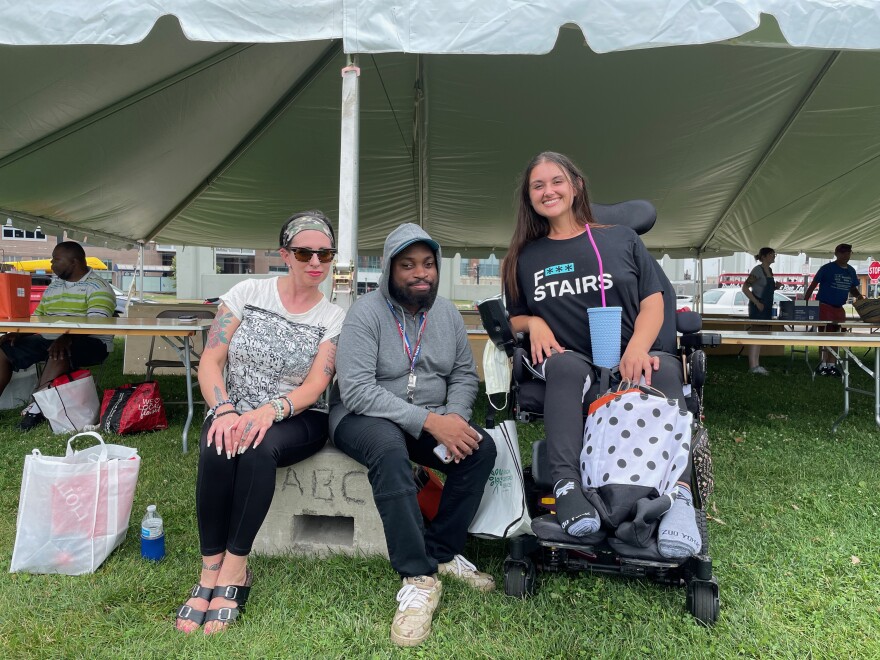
(70,406)
(74,509)
(503,512)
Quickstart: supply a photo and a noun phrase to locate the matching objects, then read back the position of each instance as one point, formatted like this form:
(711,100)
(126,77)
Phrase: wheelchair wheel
(703,602)
(519,578)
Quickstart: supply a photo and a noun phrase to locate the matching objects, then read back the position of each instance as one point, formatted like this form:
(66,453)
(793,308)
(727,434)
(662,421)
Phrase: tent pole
(345,272)
(700,281)
(141,270)
(421,146)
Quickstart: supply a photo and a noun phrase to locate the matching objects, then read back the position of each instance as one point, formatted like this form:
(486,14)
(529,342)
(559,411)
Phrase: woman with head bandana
(276,340)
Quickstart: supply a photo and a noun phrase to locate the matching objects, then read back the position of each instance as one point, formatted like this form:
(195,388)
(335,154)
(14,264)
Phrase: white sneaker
(462,569)
(32,409)
(761,371)
(418,599)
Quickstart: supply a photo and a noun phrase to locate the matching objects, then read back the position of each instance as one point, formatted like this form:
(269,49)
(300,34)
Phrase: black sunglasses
(303,254)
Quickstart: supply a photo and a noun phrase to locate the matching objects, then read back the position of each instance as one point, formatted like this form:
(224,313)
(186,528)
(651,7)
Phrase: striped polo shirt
(89,296)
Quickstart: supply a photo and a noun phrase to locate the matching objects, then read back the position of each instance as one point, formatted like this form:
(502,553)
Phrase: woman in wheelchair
(551,277)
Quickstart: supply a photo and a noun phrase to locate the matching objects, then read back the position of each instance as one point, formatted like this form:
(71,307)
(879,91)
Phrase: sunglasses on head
(303,254)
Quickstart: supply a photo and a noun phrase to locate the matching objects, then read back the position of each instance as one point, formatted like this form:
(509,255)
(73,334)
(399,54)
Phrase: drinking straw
(599,257)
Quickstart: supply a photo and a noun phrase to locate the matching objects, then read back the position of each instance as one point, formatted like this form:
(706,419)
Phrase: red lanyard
(411,354)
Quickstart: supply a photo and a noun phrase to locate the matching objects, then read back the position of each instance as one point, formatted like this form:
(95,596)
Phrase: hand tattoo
(247,429)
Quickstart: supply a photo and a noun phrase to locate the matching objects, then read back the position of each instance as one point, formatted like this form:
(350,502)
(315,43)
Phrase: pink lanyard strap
(599,257)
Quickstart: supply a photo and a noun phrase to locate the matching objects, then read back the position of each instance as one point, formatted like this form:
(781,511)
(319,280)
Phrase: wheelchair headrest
(637,214)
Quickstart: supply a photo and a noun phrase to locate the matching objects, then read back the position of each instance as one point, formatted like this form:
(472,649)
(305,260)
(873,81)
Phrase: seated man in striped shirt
(77,291)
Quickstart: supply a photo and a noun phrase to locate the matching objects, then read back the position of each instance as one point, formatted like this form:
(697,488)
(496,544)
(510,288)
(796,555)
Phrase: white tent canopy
(204,142)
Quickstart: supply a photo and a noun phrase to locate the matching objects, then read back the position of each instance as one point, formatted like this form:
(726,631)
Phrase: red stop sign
(874,271)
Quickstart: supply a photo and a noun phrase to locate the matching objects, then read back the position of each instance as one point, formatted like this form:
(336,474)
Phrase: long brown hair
(530,226)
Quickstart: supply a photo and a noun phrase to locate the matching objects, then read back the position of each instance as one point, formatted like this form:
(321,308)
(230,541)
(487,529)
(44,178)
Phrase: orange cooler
(15,295)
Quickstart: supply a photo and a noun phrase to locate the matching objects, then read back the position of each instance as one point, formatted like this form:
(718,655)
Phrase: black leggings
(564,398)
(233,495)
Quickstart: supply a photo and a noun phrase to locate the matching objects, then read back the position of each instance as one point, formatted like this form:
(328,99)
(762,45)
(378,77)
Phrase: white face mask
(496,372)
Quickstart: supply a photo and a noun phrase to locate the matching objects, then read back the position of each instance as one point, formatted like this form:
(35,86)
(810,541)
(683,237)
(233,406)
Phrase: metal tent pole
(345,273)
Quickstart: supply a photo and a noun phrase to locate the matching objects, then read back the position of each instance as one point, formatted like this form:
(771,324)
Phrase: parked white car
(733,301)
(683,302)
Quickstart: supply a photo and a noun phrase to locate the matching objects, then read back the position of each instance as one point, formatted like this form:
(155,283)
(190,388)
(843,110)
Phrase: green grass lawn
(794,543)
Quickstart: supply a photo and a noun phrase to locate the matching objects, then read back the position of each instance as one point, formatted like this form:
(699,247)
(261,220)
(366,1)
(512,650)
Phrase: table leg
(189,393)
(877,387)
(843,357)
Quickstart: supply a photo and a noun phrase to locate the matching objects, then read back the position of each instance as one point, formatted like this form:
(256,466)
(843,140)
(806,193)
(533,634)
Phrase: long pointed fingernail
(219,449)
(228,454)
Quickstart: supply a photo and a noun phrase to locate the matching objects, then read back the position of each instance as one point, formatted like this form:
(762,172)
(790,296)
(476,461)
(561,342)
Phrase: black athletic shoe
(834,371)
(30,420)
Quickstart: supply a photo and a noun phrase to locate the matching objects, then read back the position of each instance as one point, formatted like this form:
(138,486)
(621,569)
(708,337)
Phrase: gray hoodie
(372,366)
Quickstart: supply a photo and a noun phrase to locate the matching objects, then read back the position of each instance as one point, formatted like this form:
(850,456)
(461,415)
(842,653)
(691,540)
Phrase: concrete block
(322,505)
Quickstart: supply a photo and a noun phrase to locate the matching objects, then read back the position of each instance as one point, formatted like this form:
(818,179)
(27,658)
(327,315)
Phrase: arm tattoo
(217,333)
(330,364)
(218,395)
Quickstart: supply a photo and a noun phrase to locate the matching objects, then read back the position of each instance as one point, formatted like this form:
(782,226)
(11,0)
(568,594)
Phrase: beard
(407,298)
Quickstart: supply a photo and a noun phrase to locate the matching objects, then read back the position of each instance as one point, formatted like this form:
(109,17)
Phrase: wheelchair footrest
(547,529)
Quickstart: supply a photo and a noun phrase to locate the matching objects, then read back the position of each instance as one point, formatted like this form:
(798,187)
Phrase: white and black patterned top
(272,350)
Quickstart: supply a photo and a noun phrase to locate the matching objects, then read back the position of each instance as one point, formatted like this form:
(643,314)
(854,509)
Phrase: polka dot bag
(635,439)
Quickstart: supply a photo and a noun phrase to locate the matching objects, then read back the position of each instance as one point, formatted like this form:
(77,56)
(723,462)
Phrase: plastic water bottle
(152,535)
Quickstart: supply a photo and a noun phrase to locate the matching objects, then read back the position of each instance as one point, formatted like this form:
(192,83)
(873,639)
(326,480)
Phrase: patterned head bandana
(304,223)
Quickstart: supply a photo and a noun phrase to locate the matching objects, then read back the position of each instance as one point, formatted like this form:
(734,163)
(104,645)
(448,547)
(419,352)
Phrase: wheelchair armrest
(688,322)
(518,367)
(497,324)
(700,340)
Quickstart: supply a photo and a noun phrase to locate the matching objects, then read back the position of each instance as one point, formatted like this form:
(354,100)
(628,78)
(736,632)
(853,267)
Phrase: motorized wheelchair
(550,548)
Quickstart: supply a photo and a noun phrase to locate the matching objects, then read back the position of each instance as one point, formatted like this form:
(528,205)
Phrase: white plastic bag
(18,393)
(70,406)
(74,510)
(503,512)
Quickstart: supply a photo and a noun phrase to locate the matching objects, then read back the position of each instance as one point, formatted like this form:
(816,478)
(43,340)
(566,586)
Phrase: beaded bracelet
(289,403)
(279,409)
(220,403)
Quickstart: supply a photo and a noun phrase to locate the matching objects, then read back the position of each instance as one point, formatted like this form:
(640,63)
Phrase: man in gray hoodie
(406,385)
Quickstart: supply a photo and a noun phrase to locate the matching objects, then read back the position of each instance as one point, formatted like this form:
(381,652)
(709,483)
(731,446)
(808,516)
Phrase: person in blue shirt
(837,280)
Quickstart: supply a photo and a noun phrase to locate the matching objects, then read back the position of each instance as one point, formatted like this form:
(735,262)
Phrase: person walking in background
(759,288)
(837,281)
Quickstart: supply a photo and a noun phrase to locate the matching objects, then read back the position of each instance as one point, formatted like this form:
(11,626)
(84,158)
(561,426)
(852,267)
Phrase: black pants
(233,495)
(386,450)
(564,398)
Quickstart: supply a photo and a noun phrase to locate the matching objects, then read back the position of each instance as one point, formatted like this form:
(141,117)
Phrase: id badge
(410,386)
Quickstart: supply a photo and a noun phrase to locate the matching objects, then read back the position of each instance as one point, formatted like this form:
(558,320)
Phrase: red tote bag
(133,408)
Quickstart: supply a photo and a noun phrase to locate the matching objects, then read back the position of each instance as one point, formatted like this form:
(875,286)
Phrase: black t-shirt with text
(559,281)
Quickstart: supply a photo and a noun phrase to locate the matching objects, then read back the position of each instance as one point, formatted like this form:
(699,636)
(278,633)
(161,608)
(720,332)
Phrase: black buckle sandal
(187,613)
(236,592)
